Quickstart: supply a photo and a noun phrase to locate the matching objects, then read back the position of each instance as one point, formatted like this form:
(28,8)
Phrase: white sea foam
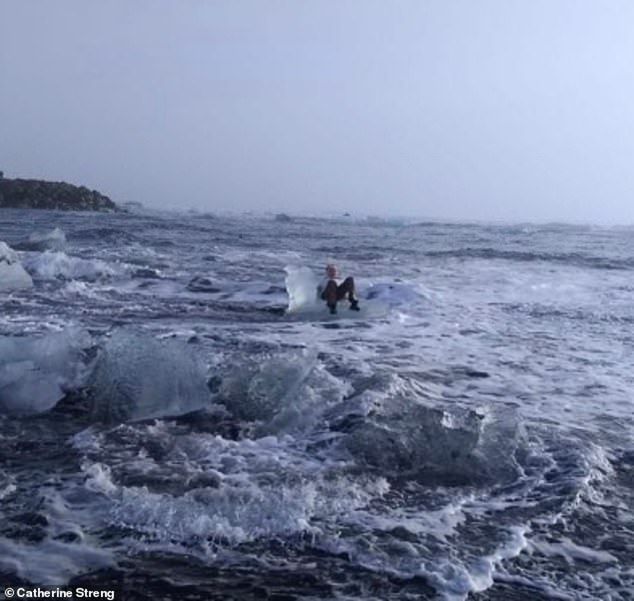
(7,485)
(52,265)
(51,562)
(570,551)
(77,288)
(249,490)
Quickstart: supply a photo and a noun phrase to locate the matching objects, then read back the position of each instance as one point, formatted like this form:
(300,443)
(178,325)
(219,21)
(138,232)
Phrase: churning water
(167,430)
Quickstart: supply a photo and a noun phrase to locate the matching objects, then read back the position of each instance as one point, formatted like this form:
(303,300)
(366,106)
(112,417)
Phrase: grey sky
(493,110)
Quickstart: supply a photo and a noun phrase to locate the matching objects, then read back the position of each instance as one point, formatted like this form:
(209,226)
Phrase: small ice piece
(12,274)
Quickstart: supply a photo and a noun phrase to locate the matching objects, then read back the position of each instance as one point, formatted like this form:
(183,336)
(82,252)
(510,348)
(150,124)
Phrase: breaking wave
(53,240)
(52,265)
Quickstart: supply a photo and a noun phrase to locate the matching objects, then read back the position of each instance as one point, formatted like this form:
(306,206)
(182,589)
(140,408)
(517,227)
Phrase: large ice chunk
(460,446)
(301,286)
(378,298)
(12,274)
(36,372)
(137,377)
(283,393)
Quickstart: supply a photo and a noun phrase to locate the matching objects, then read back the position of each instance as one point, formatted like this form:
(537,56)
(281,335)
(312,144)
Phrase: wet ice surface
(166,427)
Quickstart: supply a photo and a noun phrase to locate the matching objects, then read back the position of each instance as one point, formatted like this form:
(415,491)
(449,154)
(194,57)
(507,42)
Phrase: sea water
(166,425)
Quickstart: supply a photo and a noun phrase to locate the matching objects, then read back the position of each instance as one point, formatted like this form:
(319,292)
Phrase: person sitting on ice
(331,291)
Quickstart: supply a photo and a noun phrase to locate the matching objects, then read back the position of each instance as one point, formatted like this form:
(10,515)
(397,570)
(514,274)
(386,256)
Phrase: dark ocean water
(168,431)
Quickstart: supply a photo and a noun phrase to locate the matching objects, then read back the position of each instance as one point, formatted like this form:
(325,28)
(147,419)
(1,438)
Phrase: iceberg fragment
(12,274)
(139,377)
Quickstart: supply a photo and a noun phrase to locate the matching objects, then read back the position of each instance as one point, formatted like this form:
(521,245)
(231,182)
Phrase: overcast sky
(466,109)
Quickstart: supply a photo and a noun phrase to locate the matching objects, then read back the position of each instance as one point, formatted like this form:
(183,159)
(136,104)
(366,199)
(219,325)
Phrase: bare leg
(331,295)
(347,289)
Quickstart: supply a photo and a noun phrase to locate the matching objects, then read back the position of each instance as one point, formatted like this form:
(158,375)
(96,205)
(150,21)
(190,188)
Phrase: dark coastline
(61,196)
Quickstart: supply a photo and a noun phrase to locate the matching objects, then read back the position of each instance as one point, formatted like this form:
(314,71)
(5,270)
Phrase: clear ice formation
(12,274)
(139,377)
(37,371)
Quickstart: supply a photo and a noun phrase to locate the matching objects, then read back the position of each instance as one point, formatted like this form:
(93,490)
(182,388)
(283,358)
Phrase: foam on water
(51,562)
(472,438)
(231,491)
(206,492)
(52,265)
(7,486)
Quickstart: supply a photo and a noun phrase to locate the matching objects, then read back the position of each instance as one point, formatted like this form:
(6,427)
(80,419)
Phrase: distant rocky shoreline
(40,194)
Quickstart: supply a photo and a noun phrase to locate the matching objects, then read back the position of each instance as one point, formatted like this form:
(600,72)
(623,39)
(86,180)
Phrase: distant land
(40,194)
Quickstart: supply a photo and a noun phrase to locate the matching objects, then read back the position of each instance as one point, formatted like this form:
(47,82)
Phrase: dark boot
(333,309)
(354,305)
